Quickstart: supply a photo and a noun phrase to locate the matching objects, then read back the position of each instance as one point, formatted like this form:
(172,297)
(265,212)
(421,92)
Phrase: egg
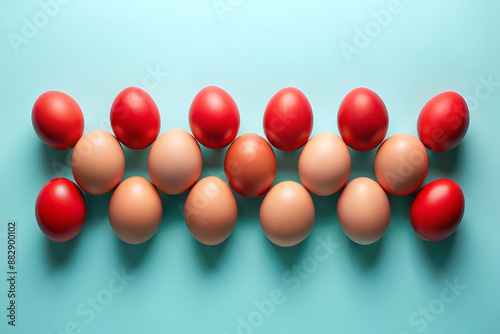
(443,121)
(175,162)
(437,210)
(250,165)
(401,164)
(363,211)
(98,162)
(287,214)
(135,210)
(324,164)
(210,211)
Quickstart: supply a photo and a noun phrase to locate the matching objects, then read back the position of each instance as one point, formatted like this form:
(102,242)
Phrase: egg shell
(401,164)
(98,162)
(324,164)
(210,211)
(443,121)
(135,210)
(175,161)
(250,165)
(437,210)
(287,214)
(363,210)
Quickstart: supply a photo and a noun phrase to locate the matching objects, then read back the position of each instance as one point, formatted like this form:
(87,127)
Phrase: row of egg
(287,212)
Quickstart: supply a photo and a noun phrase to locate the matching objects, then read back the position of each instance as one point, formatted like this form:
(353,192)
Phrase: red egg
(135,118)
(57,120)
(250,165)
(362,119)
(437,210)
(60,209)
(288,119)
(214,118)
(443,121)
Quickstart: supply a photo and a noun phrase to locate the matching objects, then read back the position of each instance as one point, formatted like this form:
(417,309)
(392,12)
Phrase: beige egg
(401,164)
(135,210)
(175,162)
(287,214)
(210,211)
(98,162)
(324,164)
(363,211)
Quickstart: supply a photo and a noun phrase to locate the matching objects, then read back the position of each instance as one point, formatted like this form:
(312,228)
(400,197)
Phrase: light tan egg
(287,214)
(363,211)
(135,210)
(324,164)
(175,162)
(210,211)
(401,164)
(98,162)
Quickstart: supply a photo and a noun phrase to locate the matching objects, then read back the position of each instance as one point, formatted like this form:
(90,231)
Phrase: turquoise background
(93,49)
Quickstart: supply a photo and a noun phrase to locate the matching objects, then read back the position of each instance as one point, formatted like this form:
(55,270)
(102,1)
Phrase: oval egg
(401,164)
(250,165)
(175,162)
(287,214)
(98,162)
(135,210)
(210,211)
(324,164)
(363,211)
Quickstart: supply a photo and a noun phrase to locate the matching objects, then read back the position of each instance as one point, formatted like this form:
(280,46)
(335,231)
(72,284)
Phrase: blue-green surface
(93,49)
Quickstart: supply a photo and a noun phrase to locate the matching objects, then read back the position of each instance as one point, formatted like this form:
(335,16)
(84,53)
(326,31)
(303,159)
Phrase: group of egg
(287,211)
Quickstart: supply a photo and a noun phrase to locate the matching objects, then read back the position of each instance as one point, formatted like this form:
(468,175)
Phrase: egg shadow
(438,254)
(55,163)
(97,208)
(248,208)
(134,256)
(210,256)
(136,162)
(365,256)
(362,164)
(60,253)
(288,255)
(446,162)
(400,207)
(326,209)
(213,158)
(173,208)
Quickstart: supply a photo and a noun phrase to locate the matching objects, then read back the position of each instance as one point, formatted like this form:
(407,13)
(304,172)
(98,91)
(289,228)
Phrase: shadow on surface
(134,255)
(60,253)
(289,255)
(446,162)
(438,254)
(365,256)
(210,256)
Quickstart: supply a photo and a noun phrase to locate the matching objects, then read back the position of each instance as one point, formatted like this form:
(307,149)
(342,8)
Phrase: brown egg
(250,165)
(175,162)
(287,214)
(98,162)
(210,211)
(324,164)
(363,211)
(401,164)
(135,210)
